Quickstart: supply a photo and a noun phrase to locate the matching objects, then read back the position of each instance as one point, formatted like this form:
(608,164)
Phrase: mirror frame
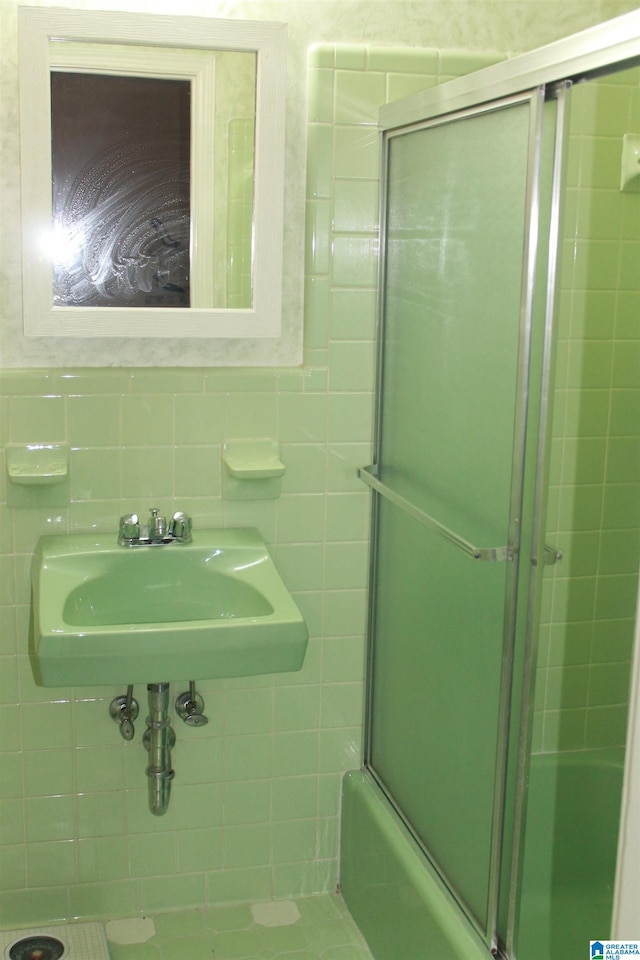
(42,33)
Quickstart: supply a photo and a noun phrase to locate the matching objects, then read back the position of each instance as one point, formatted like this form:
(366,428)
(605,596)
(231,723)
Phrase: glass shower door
(457,287)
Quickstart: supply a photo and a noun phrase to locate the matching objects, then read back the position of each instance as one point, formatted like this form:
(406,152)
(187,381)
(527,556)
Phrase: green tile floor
(314,928)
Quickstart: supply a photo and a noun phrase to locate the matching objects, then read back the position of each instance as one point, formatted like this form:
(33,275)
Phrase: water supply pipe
(159,738)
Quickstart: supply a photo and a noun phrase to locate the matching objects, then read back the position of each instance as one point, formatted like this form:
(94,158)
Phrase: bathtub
(397,901)
(567,884)
(571,838)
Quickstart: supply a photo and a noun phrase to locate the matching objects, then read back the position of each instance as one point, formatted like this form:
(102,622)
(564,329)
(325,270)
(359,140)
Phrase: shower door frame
(605,48)
(510,552)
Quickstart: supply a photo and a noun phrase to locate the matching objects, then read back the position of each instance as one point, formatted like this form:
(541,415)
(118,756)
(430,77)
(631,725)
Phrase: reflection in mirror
(123,146)
(152,202)
(120,151)
(234,152)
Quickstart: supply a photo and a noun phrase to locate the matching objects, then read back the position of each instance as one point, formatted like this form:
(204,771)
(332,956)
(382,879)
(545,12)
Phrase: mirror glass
(152,200)
(120,153)
(121,159)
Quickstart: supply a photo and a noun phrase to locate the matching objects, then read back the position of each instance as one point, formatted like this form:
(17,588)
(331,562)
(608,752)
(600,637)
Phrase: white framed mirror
(152,175)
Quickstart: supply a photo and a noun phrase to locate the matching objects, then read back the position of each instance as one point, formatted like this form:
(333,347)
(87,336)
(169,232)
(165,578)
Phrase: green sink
(214,607)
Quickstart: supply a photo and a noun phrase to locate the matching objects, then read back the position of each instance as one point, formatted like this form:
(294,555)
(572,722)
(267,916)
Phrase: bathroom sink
(213,607)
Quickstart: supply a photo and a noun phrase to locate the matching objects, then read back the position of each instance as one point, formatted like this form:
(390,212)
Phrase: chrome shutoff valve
(124,710)
(189,707)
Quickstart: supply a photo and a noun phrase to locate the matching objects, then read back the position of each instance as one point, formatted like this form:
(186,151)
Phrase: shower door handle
(491,554)
(551,555)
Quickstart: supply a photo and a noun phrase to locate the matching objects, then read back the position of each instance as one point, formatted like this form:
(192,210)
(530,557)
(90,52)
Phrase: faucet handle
(130,526)
(181,526)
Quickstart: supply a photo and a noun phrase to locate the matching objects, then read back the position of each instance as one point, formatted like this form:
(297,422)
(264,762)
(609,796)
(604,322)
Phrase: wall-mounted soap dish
(35,464)
(38,474)
(251,470)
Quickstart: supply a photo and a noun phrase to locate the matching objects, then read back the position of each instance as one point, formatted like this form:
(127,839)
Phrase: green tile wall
(254,809)
(589,599)
(254,805)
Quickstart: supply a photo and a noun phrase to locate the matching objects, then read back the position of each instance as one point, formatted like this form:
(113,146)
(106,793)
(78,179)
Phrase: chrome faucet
(156,531)
(157,526)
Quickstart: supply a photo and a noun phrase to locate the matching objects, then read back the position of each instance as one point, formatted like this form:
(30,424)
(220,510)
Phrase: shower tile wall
(255,798)
(594,507)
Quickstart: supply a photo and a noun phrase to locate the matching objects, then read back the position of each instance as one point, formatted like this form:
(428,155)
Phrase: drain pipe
(159,739)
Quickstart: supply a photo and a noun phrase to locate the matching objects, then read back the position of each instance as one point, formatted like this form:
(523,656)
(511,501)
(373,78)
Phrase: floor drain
(37,948)
(61,941)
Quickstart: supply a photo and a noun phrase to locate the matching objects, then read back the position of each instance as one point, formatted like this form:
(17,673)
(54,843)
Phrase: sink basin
(214,607)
